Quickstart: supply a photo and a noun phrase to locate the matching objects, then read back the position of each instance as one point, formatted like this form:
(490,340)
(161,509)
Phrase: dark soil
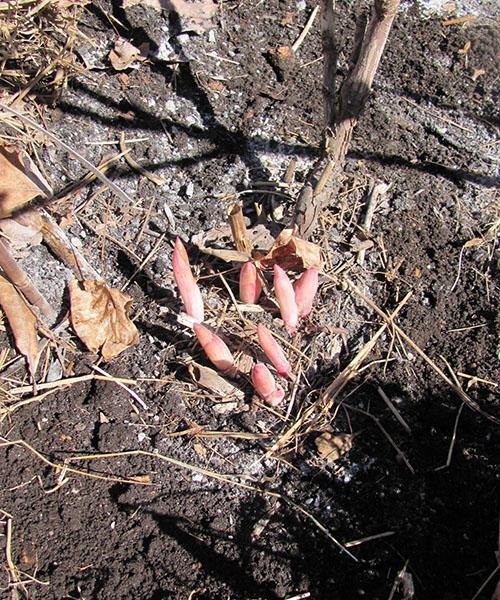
(215,127)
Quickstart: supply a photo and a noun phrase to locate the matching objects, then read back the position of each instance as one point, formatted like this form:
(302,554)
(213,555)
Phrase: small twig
(119,382)
(59,243)
(371,204)
(20,280)
(156,179)
(393,409)
(386,434)
(239,232)
(310,22)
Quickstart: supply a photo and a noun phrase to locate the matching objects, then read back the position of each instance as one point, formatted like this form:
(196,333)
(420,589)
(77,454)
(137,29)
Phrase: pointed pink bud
(188,288)
(216,350)
(285,296)
(273,351)
(265,386)
(305,288)
(250,284)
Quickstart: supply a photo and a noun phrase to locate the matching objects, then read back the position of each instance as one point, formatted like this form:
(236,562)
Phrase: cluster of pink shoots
(295,302)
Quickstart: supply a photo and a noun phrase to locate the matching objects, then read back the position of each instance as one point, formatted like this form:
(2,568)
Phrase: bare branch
(354,93)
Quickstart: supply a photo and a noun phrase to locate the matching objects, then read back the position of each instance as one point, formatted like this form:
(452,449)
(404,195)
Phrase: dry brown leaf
(99,317)
(124,54)
(200,449)
(227,255)
(292,253)
(229,396)
(260,236)
(20,180)
(477,73)
(213,382)
(23,230)
(331,446)
(22,323)
(473,242)
(361,245)
(196,15)
(215,234)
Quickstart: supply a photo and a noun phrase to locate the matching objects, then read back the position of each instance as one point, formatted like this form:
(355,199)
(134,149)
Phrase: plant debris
(331,446)
(292,253)
(99,315)
(125,55)
(20,181)
(22,323)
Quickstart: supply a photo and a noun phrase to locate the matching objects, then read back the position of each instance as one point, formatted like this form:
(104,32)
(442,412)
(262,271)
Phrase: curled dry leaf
(22,323)
(292,253)
(228,397)
(331,446)
(99,317)
(213,382)
(226,255)
(23,230)
(124,54)
(20,180)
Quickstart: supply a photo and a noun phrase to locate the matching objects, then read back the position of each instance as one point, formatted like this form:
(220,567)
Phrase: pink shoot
(250,284)
(273,351)
(305,288)
(285,296)
(266,386)
(216,350)
(188,288)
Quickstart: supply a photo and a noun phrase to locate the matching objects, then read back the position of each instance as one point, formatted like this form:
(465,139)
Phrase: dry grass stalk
(328,398)
(50,385)
(456,388)
(38,39)
(27,121)
(239,232)
(133,164)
